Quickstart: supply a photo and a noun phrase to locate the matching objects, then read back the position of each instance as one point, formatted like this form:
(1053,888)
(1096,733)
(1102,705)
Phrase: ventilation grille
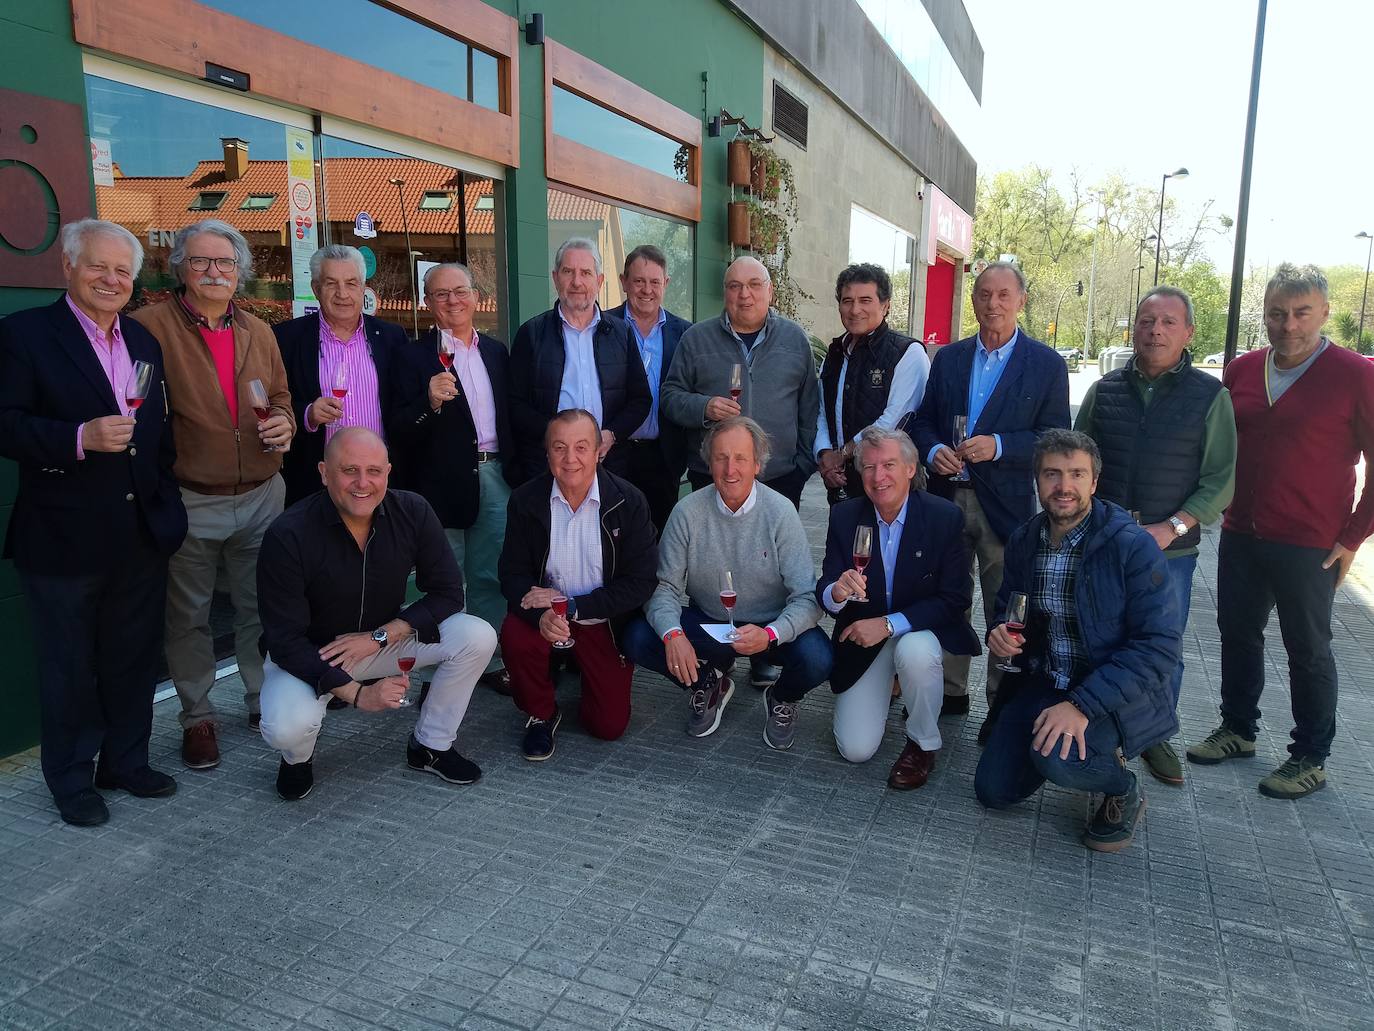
(790,116)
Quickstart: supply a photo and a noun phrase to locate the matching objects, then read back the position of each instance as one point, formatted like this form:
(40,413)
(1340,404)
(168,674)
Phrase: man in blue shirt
(1009,389)
(656,452)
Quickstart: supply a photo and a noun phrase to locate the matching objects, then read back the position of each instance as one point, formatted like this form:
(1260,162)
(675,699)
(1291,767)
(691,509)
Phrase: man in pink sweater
(1304,414)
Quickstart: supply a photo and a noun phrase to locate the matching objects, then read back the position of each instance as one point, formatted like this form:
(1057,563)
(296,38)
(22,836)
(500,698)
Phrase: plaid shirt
(1056,573)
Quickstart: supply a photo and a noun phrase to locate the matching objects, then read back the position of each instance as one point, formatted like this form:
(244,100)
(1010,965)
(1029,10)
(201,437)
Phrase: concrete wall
(844,164)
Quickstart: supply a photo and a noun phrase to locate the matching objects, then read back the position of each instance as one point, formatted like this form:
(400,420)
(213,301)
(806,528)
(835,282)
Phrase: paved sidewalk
(661,882)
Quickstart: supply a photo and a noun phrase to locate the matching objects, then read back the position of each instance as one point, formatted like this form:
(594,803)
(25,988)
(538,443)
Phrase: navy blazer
(1031,397)
(537,360)
(931,585)
(299,340)
(672,438)
(76,517)
(434,453)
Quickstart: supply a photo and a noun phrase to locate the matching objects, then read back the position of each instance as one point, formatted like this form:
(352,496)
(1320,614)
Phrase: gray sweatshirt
(780,392)
(765,548)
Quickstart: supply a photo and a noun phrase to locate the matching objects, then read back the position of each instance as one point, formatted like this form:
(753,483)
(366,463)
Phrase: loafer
(498,680)
(144,782)
(446,765)
(912,768)
(954,705)
(295,780)
(1163,763)
(199,747)
(83,809)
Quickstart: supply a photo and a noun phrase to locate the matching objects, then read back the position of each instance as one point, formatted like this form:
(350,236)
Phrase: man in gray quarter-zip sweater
(741,526)
(332,580)
(778,385)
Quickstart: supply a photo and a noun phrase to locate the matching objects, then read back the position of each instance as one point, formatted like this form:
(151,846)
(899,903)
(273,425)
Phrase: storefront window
(617,231)
(873,240)
(597,127)
(382,38)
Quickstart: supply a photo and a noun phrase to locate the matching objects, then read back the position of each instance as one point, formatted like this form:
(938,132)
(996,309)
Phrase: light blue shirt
(889,542)
(987,370)
(581,387)
(651,351)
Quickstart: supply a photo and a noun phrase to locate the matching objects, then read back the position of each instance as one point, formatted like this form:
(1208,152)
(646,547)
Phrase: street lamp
(1159,233)
(1140,265)
(410,256)
(1365,296)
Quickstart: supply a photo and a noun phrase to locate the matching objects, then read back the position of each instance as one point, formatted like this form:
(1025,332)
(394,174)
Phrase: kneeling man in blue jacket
(1094,661)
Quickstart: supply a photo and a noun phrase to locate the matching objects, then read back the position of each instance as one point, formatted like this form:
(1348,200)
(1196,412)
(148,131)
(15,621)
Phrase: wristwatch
(1180,527)
(379,635)
(888,623)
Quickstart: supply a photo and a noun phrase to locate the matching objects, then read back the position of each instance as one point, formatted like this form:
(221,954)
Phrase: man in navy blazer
(576,356)
(1009,389)
(338,336)
(96,518)
(657,451)
(901,612)
(450,431)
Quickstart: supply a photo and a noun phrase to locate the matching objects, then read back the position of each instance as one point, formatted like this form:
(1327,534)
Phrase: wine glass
(863,550)
(136,389)
(559,604)
(339,386)
(445,350)
(736,381)
(960,435)
(262,406)
(727,598)
(1015,623)
(407,651)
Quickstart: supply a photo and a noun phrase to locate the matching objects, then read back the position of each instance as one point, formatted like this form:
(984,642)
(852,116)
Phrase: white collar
(744,508)
(593,495)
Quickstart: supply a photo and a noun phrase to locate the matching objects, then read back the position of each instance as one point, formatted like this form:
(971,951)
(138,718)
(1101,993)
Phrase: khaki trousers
(985,549)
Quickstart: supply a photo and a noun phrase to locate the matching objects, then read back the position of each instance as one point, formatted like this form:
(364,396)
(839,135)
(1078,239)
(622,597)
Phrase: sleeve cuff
(930,455)
(997,457)
(80,451)
(900,624)
(831,605)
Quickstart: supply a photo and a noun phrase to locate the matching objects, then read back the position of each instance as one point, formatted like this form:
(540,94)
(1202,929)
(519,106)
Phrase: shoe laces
(784,712)
(202,730)
(1217,735)
(1296,769)
(1114,808)
(535,721)
(699,700)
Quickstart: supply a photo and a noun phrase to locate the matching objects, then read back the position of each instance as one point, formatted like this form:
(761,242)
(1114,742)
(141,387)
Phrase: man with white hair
(576,356)
(339,365)
(777,386)
(96,517)
(227,465)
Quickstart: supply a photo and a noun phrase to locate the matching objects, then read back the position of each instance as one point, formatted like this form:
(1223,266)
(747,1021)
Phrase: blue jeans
(805,662)
(1181,579)
(1011,770)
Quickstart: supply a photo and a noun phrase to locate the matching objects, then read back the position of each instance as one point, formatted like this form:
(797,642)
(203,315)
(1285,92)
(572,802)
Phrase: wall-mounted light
(713,126)
(534,30)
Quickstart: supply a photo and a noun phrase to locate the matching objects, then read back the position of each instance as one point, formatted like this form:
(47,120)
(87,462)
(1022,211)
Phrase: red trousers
(605,708)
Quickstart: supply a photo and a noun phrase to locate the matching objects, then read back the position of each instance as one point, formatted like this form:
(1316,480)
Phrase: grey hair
(424,282)
(1064,442)
(214,226)
(75,235)
(1165,290)
(1289,279)
(337,252)
(876,436)
(572,415)
(577,243)
(1008,266)
(767,276)
(763,448)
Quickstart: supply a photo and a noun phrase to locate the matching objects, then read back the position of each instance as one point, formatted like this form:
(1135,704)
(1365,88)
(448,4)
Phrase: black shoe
(538,743)
(144,782)
(255,721)
(447,765)
(294,780)
(498,680)
(83,809)
(337,703)
(954,705)
(985,731)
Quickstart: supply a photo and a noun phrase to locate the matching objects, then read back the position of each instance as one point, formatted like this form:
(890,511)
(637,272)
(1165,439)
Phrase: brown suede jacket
(213,455)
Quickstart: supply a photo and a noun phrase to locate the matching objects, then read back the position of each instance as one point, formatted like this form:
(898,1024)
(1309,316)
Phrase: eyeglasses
(461,294)
(222,264)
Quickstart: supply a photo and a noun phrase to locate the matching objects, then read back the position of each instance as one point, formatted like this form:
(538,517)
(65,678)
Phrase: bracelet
(358,694)
(675,632)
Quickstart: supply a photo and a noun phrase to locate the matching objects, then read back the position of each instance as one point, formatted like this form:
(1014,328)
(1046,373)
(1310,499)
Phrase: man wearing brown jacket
(228,461)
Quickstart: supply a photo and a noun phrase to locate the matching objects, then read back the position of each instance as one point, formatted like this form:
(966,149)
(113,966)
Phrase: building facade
(437,130)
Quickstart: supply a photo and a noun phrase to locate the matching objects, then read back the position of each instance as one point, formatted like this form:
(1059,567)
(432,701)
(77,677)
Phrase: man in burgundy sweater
(1304,413)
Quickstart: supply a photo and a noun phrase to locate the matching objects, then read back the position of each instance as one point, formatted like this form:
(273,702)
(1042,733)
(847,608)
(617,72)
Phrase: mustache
(214,281)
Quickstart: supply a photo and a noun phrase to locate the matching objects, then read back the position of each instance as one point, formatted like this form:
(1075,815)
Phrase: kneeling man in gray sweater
(740,527)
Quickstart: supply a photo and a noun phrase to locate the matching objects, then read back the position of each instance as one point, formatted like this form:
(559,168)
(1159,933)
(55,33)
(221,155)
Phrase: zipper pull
(237,439)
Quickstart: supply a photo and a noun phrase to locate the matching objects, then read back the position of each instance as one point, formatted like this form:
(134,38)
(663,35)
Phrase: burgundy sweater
(1295,461)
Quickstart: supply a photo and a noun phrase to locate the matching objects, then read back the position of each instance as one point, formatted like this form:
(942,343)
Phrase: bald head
(354,436)
(355,471)
(748,294)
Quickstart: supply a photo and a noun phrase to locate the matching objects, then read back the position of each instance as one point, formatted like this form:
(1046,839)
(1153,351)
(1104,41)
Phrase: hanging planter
(739,162)
(766,228)
(739,224)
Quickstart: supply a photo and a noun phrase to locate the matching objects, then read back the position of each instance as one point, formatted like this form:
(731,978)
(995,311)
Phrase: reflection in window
(597,127)
(880,243)
(359,178)
(177,161)
(368,32)
(617,231)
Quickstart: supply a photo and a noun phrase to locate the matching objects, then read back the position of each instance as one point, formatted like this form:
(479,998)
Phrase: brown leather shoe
(912,768)
(498,680)
(199,749)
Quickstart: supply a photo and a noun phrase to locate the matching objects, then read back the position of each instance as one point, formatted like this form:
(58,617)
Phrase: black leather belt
(965,484)
(487,456)
(642,440)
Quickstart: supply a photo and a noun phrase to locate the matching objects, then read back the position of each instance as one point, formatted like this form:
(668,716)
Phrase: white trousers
(861,712)
(292,713)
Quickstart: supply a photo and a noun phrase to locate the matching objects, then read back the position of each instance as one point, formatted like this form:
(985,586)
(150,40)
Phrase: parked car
(1217,360)
(1072,357)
